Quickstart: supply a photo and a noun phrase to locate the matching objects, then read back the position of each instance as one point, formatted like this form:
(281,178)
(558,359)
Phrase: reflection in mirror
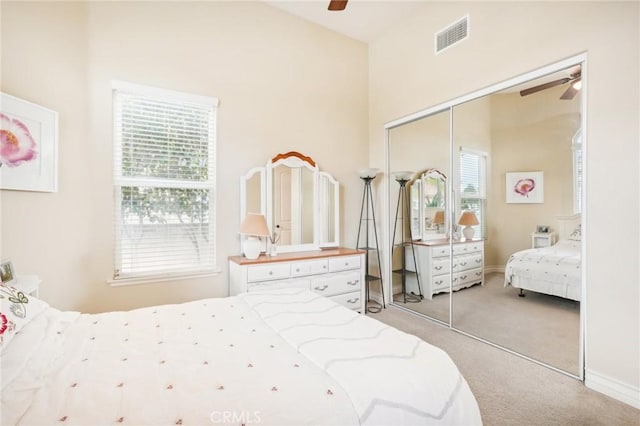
(421,145)
(292,208)
(428,217)
(328,199)
(536,135)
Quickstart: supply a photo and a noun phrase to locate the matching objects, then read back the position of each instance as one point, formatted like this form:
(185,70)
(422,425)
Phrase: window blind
(164,182)
(473,186)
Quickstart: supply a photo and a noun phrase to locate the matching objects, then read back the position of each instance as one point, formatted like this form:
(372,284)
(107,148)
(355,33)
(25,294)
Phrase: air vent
(453,34)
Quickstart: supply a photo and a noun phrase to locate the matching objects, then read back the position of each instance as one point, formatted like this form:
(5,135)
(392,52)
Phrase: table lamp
(253,226)
(469,219)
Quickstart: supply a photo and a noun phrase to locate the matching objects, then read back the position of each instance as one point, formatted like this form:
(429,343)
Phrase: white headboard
(567,224)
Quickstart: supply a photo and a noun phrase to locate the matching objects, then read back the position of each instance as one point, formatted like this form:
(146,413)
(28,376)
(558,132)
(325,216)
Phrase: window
(164,182)
(576,148)
(473,186)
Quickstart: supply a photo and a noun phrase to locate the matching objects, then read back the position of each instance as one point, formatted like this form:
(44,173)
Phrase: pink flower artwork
(524,186)
(16,143)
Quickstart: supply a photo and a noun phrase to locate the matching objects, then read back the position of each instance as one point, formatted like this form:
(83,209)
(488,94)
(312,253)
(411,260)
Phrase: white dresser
(334,273)
(435,266)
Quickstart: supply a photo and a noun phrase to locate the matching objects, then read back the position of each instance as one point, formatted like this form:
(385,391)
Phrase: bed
(554,270)
(283,357)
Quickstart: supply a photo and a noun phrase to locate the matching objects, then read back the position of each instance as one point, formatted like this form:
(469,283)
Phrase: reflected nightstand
(546,239)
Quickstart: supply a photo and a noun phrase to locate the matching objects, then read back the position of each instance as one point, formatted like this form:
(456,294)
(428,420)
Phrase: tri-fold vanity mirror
(301,203)
(505,163)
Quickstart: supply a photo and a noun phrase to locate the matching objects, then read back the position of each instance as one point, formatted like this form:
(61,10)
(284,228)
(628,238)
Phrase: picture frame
(6,272)
(32,164)
(542,229)
(525,187)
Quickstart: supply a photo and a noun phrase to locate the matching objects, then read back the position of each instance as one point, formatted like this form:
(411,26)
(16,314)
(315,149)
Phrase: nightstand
(539,240)
(28,284)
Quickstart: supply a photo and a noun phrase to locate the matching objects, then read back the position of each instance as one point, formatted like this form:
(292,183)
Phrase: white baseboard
(494,268)
(613,388)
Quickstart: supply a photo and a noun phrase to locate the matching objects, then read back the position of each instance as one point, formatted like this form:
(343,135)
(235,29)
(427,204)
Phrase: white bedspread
(554,270)
(284,358)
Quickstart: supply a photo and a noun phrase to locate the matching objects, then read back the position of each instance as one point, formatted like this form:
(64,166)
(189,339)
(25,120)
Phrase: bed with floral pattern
(284,357)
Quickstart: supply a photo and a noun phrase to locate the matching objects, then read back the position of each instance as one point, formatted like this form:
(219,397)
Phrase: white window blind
(473,186)
(164,182)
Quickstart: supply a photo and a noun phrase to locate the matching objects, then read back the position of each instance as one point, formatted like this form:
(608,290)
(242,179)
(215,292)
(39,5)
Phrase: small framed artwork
(28,146)
(525,187)
(542,229)
(6,272)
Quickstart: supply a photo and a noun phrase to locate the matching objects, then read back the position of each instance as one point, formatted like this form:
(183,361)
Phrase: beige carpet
(511,390)
(542,327)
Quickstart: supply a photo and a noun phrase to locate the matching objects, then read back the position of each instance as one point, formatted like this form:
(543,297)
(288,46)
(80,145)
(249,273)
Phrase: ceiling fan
(337,4)
(575,85)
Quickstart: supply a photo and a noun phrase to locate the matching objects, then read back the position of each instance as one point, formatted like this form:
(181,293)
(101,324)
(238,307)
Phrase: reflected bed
(554,270)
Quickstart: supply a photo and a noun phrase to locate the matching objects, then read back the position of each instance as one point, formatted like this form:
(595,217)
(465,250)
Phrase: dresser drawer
(274,285)
(441,251)
(333,284)
(349,300)
(467,248)
(441,265)
(344,263)
(311,267)
(470,276)
(470,261)
(440,283)
(273,271)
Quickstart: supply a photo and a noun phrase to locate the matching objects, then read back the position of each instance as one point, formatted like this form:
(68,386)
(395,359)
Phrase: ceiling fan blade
(571,91)
(337,4)
(544,86)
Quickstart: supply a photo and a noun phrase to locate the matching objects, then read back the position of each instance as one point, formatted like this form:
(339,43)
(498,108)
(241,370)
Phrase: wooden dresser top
(300,255)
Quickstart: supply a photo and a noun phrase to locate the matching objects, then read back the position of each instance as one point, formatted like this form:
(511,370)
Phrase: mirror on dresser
(300,202)
(515,156)
(420,148)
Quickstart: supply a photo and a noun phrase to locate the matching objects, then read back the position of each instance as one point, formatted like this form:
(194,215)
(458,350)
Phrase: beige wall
(532,133)
(284,84)
(508,39)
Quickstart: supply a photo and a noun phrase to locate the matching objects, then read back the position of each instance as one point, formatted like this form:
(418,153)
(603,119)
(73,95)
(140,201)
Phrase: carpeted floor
(514,391)
(542,327)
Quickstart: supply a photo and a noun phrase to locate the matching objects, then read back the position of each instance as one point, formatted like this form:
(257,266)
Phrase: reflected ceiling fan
(337,4)
(574,79)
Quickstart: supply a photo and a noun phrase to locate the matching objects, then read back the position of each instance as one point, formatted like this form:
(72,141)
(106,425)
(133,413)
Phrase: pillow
(16,310)
(576,235)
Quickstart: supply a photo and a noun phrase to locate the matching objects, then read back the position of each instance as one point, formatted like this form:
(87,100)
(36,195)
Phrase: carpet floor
(545,328)
(511,390)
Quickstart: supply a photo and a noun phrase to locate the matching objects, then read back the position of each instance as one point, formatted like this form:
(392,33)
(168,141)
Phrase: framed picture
(525,187)
(6,272)
(28,146)
(542,229)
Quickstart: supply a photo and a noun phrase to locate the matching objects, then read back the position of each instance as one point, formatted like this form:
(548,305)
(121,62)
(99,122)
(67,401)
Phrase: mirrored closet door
(505,245)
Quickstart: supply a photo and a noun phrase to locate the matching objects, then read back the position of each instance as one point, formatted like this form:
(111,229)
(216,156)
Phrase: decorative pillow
(576,235)
(16,310)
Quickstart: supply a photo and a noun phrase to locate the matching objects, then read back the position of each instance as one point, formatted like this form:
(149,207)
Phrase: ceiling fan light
(577,85)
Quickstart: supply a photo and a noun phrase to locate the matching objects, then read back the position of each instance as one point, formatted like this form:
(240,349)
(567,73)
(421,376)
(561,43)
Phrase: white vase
(274,250)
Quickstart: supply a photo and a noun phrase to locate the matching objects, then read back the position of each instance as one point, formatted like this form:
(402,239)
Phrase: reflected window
(473,186)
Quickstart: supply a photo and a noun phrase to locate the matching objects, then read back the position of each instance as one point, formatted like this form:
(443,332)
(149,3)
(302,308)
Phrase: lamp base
(468,232)
(251,248)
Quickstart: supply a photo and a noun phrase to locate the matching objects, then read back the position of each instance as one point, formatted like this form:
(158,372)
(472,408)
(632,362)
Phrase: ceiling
(362,20)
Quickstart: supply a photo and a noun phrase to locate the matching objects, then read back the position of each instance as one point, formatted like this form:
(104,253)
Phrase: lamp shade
(438,217)
(468,218)
(255,225)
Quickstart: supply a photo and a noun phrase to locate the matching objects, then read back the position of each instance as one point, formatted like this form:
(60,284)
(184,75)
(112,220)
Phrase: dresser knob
(297,269)
(353,282)
(270,272)
(323,288)
(324,266)
(353,300)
